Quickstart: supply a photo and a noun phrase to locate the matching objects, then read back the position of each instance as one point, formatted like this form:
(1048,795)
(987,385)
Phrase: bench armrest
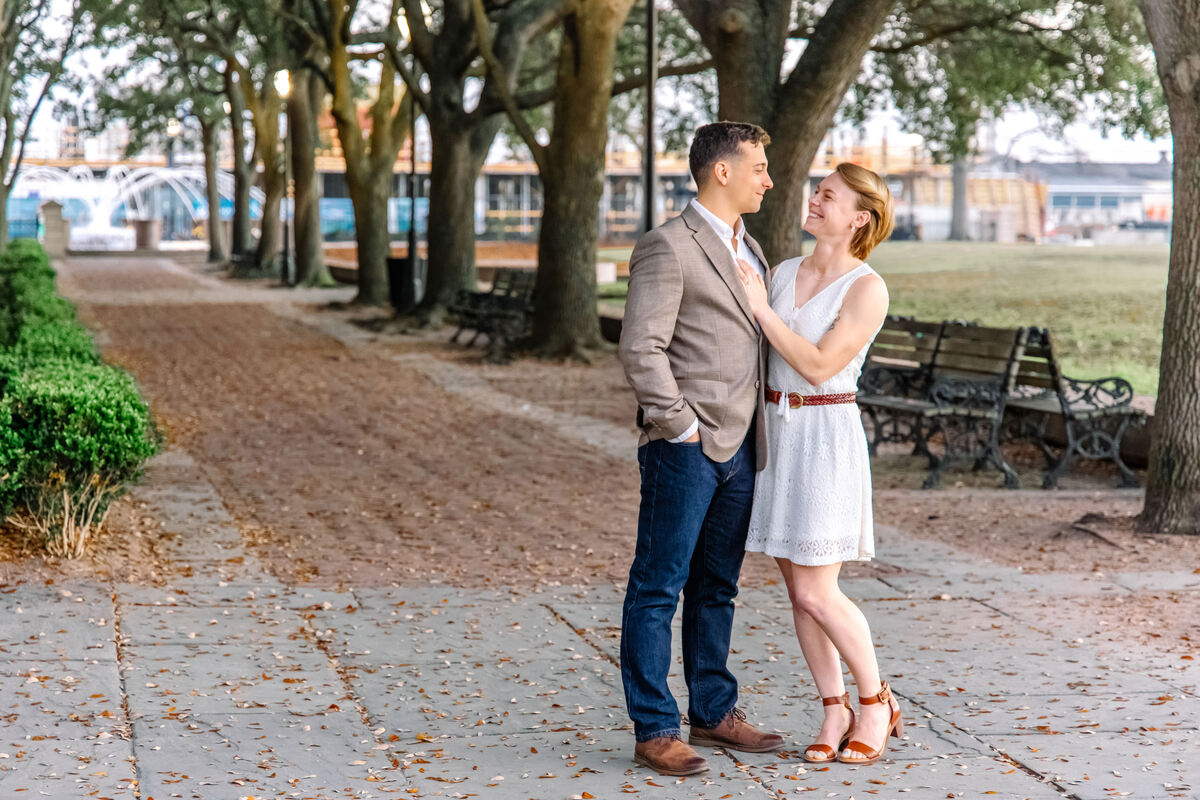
(1100,393)
(891,381)
(957,392)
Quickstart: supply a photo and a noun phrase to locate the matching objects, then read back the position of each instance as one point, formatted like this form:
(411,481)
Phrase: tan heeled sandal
(827,753)
(895,728)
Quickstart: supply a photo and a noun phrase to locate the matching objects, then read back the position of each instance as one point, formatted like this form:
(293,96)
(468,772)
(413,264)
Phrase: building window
(1109,201)
(1061,201)
(1085,201)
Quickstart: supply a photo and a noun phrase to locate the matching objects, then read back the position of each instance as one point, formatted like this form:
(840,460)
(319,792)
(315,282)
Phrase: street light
(651,78)
(283,85)
(174,128)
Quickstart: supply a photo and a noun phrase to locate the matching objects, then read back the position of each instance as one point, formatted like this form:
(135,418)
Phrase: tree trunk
(747,41)
(216,231)
(1173,484)
(369,195)
(239,244)
(453,172)
(565,323)
(270,240)
(958,215)
(5,191)
(307,95)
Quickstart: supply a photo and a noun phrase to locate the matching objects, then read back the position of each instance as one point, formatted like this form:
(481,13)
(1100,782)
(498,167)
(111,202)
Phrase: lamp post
(283,85)
(174,128)
(649,176)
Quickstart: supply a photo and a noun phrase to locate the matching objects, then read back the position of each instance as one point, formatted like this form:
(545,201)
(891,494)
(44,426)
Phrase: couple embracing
(751,441)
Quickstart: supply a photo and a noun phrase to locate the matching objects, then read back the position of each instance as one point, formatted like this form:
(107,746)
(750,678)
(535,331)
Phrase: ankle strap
(844,700)
(884,695)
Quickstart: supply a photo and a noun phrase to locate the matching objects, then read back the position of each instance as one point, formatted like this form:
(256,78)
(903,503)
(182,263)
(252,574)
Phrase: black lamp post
(650,178)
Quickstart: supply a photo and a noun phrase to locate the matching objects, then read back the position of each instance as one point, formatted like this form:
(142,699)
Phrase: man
(693,354)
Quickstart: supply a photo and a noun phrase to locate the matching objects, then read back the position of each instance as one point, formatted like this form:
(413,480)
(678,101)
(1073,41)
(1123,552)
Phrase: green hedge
(75,432)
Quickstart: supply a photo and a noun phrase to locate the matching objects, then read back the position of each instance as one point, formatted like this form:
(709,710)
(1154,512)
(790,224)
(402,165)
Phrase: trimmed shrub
(83,434)
(12,459)
(75,432)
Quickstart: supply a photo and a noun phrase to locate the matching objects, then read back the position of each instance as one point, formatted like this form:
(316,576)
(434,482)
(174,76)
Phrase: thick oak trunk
(239,235)
(565,323)
(270,240)
(307,95)
(1173,484)
(747,41)
(369,195)
(216,231)
(452,177)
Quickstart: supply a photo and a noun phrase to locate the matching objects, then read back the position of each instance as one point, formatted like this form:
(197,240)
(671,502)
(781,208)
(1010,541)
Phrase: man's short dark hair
(718,141)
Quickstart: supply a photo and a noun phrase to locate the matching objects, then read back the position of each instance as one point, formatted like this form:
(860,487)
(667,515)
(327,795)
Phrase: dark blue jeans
(691,539)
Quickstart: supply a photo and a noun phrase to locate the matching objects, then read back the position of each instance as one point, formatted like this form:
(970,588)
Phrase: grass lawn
(1104,305)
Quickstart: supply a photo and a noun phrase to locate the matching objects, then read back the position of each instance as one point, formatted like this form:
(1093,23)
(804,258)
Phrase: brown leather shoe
(668,755)
(735,733)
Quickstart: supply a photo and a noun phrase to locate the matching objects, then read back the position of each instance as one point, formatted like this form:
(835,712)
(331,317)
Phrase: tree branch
(499,77)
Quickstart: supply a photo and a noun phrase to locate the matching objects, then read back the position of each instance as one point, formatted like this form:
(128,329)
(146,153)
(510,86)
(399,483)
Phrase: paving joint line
(582,634)
(987,747)
(127,724)
(336,665)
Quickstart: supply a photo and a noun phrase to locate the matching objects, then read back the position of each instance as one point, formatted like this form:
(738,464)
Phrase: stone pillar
(57,229)
(147,233)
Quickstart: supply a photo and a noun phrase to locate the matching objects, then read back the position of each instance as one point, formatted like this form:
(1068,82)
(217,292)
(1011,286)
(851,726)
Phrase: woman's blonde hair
(875,198)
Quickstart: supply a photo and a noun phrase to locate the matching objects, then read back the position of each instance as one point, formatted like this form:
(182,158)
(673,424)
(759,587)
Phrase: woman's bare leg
(814,592)
(825,665)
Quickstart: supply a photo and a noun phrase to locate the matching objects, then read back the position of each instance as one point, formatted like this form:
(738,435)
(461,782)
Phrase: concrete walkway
(225,683)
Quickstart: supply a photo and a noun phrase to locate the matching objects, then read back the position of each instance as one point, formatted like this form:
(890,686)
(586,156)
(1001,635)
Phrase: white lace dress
(812,503)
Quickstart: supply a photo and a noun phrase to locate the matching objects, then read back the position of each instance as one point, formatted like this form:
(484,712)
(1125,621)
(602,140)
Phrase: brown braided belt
(799,400)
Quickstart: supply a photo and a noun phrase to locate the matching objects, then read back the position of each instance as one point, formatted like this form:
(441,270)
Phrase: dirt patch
(124,549)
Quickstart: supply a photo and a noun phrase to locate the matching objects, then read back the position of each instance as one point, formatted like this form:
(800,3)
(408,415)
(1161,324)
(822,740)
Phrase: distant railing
(22,229)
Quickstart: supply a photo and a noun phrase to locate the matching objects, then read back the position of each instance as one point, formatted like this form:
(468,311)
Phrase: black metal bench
(958,398)
(1094,415)
(503,313)
(899,365)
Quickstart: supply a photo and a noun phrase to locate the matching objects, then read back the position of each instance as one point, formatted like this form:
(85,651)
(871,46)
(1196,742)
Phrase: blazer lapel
(720,257)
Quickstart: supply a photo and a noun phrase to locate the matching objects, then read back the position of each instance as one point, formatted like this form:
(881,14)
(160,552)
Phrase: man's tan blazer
(690,345)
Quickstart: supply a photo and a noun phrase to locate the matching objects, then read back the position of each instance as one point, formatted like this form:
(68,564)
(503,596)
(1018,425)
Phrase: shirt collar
(719,225)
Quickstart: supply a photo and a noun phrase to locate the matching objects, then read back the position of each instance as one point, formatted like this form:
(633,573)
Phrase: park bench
(899,364)
(953,383)
(503,313)
(1094,415)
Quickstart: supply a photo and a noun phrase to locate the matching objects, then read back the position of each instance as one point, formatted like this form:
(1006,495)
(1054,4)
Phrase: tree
(949,68)
(462,131)
(938,55)
(370,156)
(304,102)
(244,162)
(572,171)
(34,44)
(159,82)
(572,167)
(1173,485)
(748,41)
(252,41)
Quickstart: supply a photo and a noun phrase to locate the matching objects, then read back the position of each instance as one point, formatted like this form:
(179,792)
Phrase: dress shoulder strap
(849,279)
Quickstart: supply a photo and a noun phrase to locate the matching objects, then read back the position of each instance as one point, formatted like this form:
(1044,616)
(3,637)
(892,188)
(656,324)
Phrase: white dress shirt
(728,236)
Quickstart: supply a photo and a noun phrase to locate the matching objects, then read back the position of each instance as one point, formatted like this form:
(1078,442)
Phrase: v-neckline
(835,282)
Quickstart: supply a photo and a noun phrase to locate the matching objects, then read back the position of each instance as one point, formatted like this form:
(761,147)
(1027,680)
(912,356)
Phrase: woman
(812,505)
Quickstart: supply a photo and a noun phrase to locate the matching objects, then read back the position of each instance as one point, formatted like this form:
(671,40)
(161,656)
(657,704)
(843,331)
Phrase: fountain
(127,194)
